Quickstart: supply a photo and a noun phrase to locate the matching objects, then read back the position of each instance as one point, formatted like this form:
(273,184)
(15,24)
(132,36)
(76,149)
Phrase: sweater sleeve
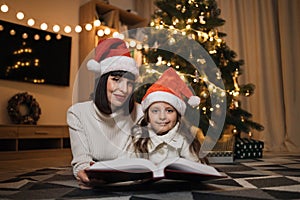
(80,150)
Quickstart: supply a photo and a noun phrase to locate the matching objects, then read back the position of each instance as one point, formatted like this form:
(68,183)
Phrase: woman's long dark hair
(100,94)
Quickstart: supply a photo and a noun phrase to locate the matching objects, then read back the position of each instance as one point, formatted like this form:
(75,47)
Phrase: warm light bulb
(24,35)
(78,29)
(139,46)
(132,43)
(115,34)
(100,33)
(67,29)
(20,15)
(12,32)
(44,26)
(56,28)
(97,23)
(121,36)
(88,27)
(47,37)
(107,31)
(36,37)
(30,22)
(4,8)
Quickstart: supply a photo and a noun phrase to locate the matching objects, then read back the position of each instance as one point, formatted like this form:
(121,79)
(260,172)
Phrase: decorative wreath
(33,110)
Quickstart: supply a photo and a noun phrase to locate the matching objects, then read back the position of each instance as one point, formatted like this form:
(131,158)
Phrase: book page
(130,165)
(190,166)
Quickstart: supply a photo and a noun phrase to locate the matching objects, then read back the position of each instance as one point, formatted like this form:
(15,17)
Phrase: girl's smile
(162,117)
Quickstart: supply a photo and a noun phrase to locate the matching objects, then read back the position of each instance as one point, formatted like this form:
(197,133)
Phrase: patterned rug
(270,177)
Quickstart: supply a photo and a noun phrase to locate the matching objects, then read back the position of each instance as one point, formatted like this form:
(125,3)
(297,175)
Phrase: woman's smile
(120,97)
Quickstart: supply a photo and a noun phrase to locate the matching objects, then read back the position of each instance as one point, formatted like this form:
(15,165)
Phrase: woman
(100,128)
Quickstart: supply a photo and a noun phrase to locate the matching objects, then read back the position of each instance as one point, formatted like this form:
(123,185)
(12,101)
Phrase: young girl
(161,133)
(99,128)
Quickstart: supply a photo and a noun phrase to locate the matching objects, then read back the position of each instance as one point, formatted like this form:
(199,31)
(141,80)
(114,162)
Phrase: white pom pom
(93,65)
(194,101)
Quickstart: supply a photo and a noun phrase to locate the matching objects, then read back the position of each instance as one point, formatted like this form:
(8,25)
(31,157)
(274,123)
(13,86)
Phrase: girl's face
(118,90)
(162,117)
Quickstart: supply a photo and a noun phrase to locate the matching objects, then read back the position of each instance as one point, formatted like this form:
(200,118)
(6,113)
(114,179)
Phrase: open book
(132,169)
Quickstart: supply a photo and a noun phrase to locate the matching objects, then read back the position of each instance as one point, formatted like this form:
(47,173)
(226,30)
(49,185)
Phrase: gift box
(248,148)
(223,151)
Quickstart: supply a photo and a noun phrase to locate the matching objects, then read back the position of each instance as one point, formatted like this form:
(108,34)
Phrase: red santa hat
(170,88)
(112,54)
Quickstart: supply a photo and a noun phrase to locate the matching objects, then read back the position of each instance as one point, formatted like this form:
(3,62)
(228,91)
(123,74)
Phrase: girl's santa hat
(170,88)
(112,54)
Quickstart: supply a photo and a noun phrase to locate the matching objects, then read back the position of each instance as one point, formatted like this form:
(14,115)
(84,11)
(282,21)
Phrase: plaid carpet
(271,177)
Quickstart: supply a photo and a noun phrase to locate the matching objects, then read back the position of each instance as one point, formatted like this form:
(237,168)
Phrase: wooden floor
(12,164)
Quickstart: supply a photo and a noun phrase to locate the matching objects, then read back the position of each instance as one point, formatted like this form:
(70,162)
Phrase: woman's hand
(83,179)
(85,182)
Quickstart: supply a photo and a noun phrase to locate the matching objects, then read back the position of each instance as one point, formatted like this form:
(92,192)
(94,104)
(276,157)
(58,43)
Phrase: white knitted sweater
(95,136)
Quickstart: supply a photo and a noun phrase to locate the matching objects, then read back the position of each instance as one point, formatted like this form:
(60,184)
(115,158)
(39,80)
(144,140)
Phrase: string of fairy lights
(56,28)
(132,43)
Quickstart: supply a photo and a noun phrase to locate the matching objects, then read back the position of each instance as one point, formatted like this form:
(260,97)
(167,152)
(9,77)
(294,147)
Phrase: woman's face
(162,117)
(118,90)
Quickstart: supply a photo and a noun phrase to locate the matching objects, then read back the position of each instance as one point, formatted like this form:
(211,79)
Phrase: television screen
(33,55)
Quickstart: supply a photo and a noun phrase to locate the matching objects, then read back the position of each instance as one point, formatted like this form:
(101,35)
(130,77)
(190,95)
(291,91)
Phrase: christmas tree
(198,21)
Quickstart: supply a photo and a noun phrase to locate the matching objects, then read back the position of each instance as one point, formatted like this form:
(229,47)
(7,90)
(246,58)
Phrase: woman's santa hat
(170,88)
(112,54)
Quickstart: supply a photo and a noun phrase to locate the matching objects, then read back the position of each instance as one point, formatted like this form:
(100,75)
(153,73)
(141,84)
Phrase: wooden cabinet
(113,17)
(15,138)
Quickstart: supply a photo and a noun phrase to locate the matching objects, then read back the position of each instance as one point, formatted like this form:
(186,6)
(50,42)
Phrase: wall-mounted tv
(33,55)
